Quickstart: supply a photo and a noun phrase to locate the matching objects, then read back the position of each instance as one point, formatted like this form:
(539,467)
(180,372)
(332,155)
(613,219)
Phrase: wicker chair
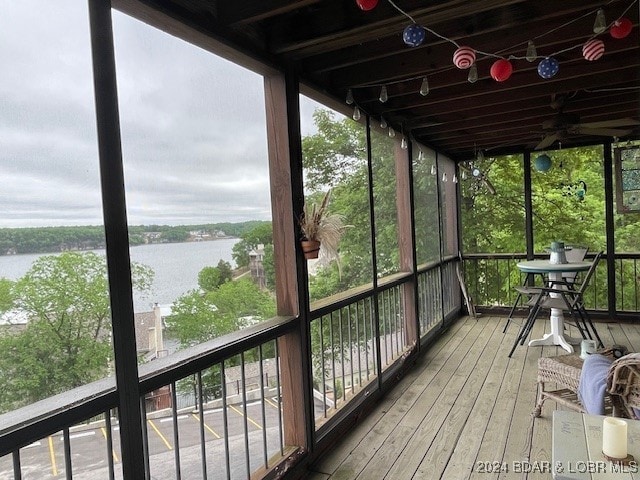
(623,384)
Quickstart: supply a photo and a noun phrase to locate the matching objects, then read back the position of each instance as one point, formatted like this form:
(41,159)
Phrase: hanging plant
(321,230)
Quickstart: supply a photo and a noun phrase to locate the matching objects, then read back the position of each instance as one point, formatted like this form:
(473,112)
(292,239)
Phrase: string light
(444,177)
(424,87)
(420,155)
(455,178)
(403,143)
(532,53)
(473,74)
(383,123)
(356,113)
(384,96)
(392,132)
(434,170)
(600,25)
(463,175)
(349,98)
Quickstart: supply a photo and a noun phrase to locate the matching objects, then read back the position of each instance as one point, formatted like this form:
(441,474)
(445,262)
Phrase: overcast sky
(193,125)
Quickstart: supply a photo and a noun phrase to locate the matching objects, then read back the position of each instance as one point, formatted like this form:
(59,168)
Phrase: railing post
(610,229)
(528,206)
(117,239)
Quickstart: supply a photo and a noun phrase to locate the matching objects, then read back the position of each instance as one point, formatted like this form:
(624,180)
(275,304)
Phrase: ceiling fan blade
(489,185)
(604,132)
(547,141)
(620,122)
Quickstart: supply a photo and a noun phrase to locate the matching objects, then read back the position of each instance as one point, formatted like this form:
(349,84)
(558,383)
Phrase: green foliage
(6,295)
(67,340)
(209,278)
(333,154)
(59,239)
(226,272)
(198,317)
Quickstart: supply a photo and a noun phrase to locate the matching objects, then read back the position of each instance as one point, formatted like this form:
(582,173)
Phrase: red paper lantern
(593,50)
(464,57)
(501,70)
(367,5)
(621,28)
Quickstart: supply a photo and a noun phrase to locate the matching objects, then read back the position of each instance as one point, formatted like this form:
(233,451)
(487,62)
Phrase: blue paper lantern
(548,67)
(414,35)
(542,163)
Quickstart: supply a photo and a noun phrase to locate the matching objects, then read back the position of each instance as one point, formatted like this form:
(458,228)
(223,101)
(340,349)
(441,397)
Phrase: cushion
(593,383)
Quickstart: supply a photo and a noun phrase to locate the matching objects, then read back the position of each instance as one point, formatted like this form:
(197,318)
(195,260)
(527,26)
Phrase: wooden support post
(287,197)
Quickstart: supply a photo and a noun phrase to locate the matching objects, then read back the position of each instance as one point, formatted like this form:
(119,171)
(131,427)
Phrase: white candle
(614,437)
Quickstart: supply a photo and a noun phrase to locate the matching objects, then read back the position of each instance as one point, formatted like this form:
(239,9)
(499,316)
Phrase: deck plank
(464,410)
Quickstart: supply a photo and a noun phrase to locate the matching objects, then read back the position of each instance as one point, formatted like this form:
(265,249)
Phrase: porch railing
(491,279)
(215,410)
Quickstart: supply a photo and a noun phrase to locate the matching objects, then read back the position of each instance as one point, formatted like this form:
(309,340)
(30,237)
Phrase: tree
(209,278)
(66,342)
(6,295)
(198,317)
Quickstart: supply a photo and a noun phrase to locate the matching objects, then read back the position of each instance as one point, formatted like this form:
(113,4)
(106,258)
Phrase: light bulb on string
(434,170)
(455,178)
(420,155)
(356,113)
(392,132)
(473,74)
(383,123)
(384,96)
(532,53)
(463,175)
(444,177)
(600,25)
(424,87)
(349,98)
(403,143)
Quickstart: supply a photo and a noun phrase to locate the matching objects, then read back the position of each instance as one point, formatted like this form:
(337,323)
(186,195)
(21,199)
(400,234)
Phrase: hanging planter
(310,248)
(321,230)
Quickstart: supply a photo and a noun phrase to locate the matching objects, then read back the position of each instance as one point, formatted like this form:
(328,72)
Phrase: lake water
(176,267)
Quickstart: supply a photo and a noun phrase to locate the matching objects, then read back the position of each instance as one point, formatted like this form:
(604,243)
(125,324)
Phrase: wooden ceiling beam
(243,13)
(391,24)
(463,31)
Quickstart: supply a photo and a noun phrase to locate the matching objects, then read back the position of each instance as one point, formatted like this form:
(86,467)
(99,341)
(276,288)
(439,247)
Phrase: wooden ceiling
(335,46)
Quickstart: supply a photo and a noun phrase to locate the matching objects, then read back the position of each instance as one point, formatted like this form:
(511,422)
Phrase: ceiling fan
(563,125)
(479,175)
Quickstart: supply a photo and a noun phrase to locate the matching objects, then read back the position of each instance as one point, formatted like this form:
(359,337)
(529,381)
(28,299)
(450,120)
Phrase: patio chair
(566,297)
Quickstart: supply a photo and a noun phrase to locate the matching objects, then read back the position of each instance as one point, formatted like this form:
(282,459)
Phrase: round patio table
(555,272)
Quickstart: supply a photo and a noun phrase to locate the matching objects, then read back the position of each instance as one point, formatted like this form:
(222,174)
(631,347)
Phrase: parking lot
(45,459)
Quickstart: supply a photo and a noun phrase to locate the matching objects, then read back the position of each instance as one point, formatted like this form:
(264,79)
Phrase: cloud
(193,125)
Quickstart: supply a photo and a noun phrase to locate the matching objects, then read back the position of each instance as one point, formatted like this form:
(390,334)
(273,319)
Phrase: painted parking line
(242,415)
(170,419)
(271,403)
(113,452)
(80,435)
(52,455)
(206,426)
(162,437)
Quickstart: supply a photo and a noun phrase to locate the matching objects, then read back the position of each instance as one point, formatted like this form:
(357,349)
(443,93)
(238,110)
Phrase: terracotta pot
(311,248)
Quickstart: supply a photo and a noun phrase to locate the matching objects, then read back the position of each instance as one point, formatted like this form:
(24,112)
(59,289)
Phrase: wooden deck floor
(464,409)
